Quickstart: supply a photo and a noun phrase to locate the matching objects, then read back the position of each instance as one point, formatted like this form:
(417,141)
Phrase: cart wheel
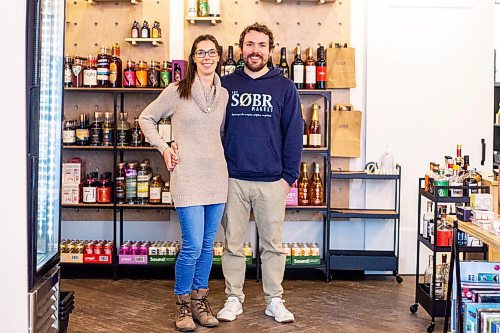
(399,279)
(430,327)
(414,308)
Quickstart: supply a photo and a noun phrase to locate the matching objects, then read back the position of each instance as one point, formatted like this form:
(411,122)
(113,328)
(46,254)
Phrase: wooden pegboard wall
(88,26)
(292,23)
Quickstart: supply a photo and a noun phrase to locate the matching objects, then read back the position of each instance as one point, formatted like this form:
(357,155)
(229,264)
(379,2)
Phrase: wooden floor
(372,304)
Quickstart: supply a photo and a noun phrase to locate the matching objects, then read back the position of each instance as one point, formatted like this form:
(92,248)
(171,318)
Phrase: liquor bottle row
(442,271)
(455,172)
(203,8)
(145,31)
(134,184)
(312,137)
(105,71)
(444,231)
(310,189)
(308,74)
(102,131)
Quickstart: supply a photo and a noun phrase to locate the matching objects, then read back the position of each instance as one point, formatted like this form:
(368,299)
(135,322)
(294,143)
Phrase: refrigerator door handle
(483,151)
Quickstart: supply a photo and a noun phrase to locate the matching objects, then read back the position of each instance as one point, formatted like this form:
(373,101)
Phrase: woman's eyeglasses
(211,53)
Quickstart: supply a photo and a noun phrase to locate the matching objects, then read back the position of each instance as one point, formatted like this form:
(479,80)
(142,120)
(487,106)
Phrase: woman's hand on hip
(170,157)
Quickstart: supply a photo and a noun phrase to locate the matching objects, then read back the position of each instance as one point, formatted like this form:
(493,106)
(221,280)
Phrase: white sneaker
(231,309)
(277,309)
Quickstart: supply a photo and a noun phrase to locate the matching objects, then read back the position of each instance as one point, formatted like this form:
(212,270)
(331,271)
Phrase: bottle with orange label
(115,68)
(141,75)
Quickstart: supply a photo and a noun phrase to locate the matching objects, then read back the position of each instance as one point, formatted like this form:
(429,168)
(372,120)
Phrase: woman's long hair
(184,87)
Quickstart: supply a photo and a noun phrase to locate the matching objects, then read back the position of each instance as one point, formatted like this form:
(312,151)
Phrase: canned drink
(125,249)
(108,248)
(247,249)
(202,8)
(89,248)
(296,250)
(99,248)
(79,248)
(304,249)
(163,249)
(286,249)
(62,247)
(153,250)
(143,249)
(315,249)
(218,249)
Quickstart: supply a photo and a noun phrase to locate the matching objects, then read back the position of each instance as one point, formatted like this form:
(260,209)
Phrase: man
(263,145)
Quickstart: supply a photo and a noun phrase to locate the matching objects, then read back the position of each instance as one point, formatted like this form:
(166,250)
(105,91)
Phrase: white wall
(429,86)
(13,246)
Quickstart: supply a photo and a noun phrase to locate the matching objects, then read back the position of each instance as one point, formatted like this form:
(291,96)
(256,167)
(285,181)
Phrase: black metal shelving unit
(368,259)
(436,307)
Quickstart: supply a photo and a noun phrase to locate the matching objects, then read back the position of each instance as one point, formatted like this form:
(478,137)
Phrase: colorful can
(315,249)
(99,248)
(108,248)
(247,249)
(296,250)
(89,248)
(79,248)
(285,247)
(202,8)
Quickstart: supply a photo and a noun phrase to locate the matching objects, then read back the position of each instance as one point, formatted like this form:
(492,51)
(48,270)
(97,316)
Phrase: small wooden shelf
(87,147)
(319,2)
(213,20)
(134,2)
(116,90)
(135,41)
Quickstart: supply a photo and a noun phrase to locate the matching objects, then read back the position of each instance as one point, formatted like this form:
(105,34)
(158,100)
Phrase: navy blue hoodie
(263,127)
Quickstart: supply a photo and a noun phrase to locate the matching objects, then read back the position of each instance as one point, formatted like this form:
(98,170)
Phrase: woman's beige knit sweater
(201,176)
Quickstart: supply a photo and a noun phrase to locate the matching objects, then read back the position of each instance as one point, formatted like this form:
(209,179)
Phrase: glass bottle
(166,196)
(270,64)
(321,70)
(155,190)
(165,74)
(165,129)
(129,75)
(471,181)
(120,184)
(192,10)
(177,73)
(316,187)
(115,67)
(155,31)
(305,133)
(283,66)
(69,133)
(220,65)
(229,64)
(89,188)
(241,63)
(456,180)
(459,159)
(214,8)
(90,73)
(310,70)
(103,62)
(143,178)
(105,189)
(131,183)
(315,129)
(145,31)
(153,75)
(137,138)
(304,186)
(123,130)
(441,180)
(141,75)
(135,30)
(445,270)
(83,132)
(96,130)
(298,70)
(108,129)
(77,73)
(428,273)
(67,70)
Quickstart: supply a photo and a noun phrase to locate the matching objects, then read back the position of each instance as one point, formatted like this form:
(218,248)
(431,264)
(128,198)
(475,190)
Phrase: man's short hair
(259,28)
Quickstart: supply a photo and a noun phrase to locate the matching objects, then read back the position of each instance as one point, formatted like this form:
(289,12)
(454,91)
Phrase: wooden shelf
(135,41)
(116,90)
(213,20)
(319,2)
(87,147)
(134,2)
(363,213)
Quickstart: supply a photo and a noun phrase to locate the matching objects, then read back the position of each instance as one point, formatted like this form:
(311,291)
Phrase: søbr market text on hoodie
(263,128)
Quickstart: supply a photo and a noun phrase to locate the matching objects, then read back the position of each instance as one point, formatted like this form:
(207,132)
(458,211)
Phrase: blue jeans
(198,227)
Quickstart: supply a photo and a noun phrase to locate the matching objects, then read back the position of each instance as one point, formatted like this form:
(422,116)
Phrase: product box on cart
(126,259)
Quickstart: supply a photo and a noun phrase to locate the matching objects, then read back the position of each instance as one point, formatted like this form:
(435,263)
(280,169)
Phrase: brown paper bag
(341,66)
(346,131)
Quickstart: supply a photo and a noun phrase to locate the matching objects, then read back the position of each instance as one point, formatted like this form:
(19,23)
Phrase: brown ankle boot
(183,317)
(202,313)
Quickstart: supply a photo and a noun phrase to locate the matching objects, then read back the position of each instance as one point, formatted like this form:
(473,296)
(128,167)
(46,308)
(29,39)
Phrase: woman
(199,178)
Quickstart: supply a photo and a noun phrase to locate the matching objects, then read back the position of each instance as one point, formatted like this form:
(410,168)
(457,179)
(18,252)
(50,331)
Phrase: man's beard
(256,67)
